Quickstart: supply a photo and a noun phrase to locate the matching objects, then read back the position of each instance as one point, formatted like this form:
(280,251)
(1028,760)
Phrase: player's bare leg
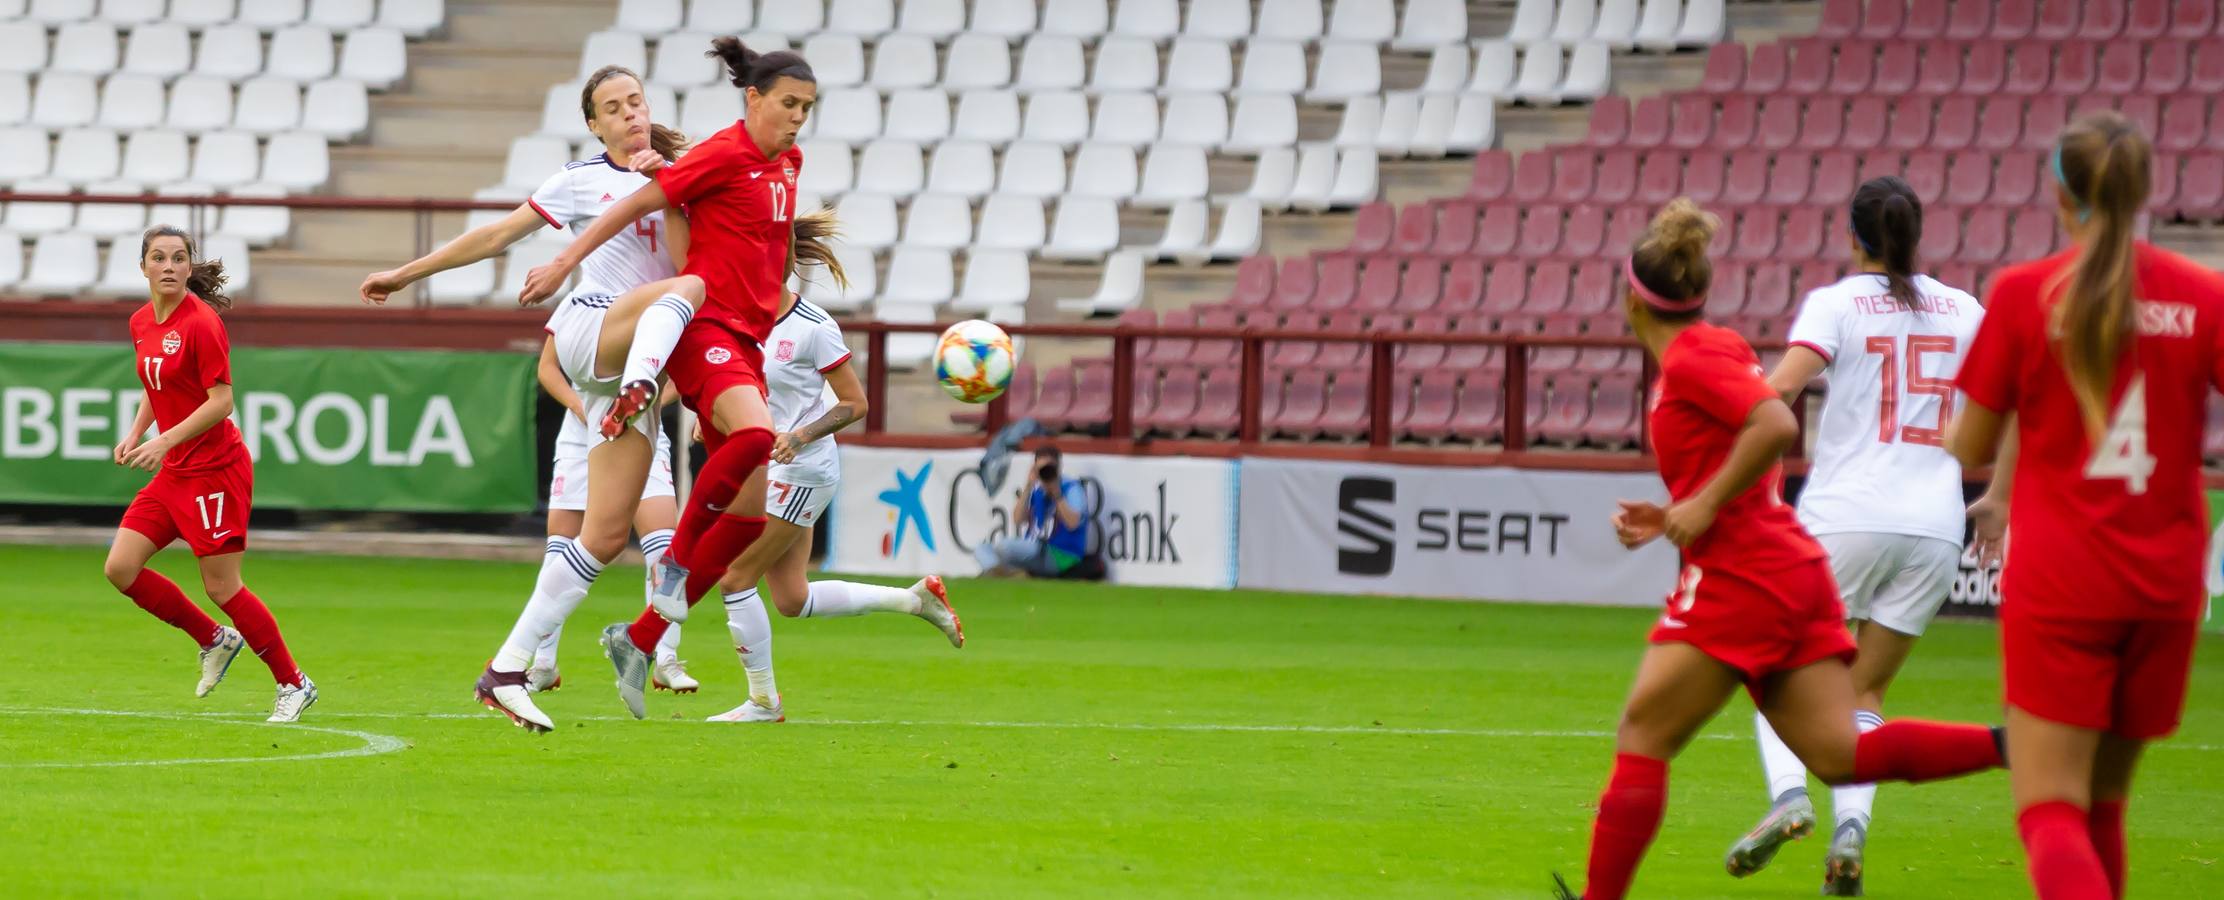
(126,570)
(796,596)
(730,486)
(616,470)
(2056,768)
(2112,770)
(638,334)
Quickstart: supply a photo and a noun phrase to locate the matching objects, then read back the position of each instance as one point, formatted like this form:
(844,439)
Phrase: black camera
(1048,472)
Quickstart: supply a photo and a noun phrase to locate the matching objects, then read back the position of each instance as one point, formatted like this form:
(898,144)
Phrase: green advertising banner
(401,430)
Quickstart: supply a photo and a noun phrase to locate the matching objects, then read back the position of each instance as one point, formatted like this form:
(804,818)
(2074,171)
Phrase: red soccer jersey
(179,360)
(2120,533)
(1710,381)
(741,216)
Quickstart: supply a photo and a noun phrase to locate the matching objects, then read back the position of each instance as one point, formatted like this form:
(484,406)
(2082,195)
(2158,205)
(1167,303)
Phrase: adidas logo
(606,198)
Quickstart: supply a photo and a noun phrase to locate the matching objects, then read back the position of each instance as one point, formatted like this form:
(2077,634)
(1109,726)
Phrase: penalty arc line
(374,744)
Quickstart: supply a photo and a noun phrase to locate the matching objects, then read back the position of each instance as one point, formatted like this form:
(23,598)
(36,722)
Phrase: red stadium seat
(1295,287)
(1692,116)
(1549,284)
(1172,351)
(1549,360)
(1532,177)
(1339,282)
(1216,351)
(1779,123)
(1616,181)
(2103,21)
(1879,164)
(1941,237)
(1422,287)
(1304,399)
(1648,123)
(1855,69)
(1602,360)
(2119,67)
(1803,234)
(1020,396)
(2144,112)
(1768,291)
(1954,274)
(1594,289)
(1766,71)
(1480,414)
(1837,247)
(1623,227)
(1180,390)
(1702,176)
(1865,123)
(1969,22)
(1926,20)
(1144,318)
(1574,170)
(1371,228)
(1910,126)
(1898,64)
(1968,179)
(1841,19)
(2193,19)
(2076,68)
(2162,192)
(1615,409)
(2207,76)
(1345,416)
(1926,173)
(1468,358)
(2030,67)
(1883,20)
(2166,66)
(1416,357)
(1339,355)
(2043,121)
(2012,19)
(2201,187)
(1735,123)
(1836,173)
(1416,229)
(1143,395)
(1810,67)
(1538,405)
(1584,234)
(1220,403)
(1056,399)
(1429,417)
(1954,127)
(1659,178)
(2018,179)
(1747,179)
(2148,19)
(1494,171)
(1823,125)
(1295,354)
(1999,124)
(1985,71)
(1757,231)
(1505,289)
(1938,70)
(1463,286)
(1378,284)
(1254,281)
(1455,228)
(2033,234)
(1725,73)
(1790,178)
(1609,122)
(1496,233)
(1566,413)
(2057,19)
(1984,235)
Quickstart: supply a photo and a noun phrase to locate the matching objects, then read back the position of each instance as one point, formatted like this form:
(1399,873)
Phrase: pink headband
(1654,300)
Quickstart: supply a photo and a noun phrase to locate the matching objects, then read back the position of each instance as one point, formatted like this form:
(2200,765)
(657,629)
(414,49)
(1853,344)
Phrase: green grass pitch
(1090,741)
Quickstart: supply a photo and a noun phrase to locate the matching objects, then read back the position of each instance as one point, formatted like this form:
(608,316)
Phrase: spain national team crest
(785,352)
(717,356)
(170,343)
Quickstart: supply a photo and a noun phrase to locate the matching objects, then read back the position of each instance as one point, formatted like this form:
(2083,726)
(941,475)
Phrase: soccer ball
(974,361)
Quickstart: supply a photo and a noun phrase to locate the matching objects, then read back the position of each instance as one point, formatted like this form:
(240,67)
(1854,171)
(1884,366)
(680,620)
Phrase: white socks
(567,571)
(652,549)
(654,336)
(829,599)
(752,631)
(1853,802)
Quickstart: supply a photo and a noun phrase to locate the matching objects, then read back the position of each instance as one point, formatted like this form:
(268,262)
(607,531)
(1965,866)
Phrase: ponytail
(814,233)
(667,142)
(1669,265)
(1886,219)
(206,278)
(746,68)
(2101,165)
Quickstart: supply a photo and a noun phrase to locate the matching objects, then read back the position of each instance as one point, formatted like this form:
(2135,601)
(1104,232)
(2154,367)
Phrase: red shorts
(207,509)
(1759,629)
(2123,676)
(710,359)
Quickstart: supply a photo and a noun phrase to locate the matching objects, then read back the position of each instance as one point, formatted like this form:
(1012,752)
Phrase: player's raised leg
(638,334)
(797,597)
(1791,814)
(126,569)
(740,417)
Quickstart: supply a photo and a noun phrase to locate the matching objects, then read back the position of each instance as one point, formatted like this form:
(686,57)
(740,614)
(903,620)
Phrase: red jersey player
(738,188)
(2103,357)
(1755,604)
(204,482)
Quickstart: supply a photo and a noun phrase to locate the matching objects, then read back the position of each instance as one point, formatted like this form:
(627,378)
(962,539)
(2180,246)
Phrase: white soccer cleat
(671,675)
(293,700)
(667,582)
(542,679)
(506,693)
(632,667)
(216,659)
(934,606)
(753,711)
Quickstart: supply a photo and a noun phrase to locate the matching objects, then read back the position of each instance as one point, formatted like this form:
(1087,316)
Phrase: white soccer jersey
(572,199)
(804,345)
(1880,463)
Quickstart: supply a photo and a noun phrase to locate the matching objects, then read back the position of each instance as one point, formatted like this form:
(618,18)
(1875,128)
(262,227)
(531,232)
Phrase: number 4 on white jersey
(2123,449)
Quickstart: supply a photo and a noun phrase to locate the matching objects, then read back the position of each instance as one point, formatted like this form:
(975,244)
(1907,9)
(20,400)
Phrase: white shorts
(567,488)
(576,330)
(797,504)
(1895,580)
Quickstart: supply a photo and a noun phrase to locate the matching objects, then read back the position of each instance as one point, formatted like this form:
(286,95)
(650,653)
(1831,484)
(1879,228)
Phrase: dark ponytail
(1887,221)
(814,231)
(205,280)
(2102,164)
(665,141)
(747,68)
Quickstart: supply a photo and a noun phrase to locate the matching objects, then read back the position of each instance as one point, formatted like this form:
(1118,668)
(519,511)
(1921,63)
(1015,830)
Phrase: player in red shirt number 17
(1755,604)
(204,481)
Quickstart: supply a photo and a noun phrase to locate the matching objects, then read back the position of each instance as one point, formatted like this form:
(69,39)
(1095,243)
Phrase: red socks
(1628,817)
(2064,866)
(1914,750)
(717,485)
(720,546)
(161,597)
(254,622)
(2106,825)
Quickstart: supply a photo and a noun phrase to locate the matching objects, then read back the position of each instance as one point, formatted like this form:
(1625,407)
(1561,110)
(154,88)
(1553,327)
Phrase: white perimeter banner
(1484,534)
(1158,520)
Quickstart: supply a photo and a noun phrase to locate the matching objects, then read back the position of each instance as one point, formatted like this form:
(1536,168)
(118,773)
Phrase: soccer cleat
(632,400)
(506,693)
(667,587)
(934,606)
(632,667)
(671,675)
(216,659)
(752,711)
(543,679)
(293,700)
(1789,821)
(1842,868)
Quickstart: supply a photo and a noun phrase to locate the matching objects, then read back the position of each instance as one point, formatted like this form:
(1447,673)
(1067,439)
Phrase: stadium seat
(1573,21)
(84,156)
(1532,21)
(1084,229)
(33,219)
(919,275)
(230,52)
(1379,281)
(1543,68)
(1188,223)
(1704,178)
(1262,122)
(1171,173)
(375,57)
(1119,290)
(1124,64)
(105,221)
(925,117)
(2193,19)
(1656,25)
(868,220)
(1589,73)
(462,286)
(680,62)
(977,61)
(1692,121)
(864,281)
(848,115)
(256,226)
(1129,119)
(2032,235)
(158,49)
(831,169)
(1356,182)
(226,159)
(22,47)
(1103,170)
(1584,233)
(155,156)
(131,102)
(1050,63)
(120,276)
(420,18)
(297,161)
(268,106)
(1540,231)
(936,20)
(62,264)
(270,15)
(649,17)
(789,17)
(1659,179)
(1532,179)
(1200,119)
(1360,123)
(1198,64)
(837,59)
(1704,22)
(533,159)
(1496,67)
(2207,74)
(1272,67)
(1421,126)
(63,101)
(1345,71)
(345,14)
(338,109)
(988,116)
(1725,70)
(84,48)
(1790,179)
(1033,170)
(965,168)
(1480,413)
(1272,177)
(301,53)
(1056,117)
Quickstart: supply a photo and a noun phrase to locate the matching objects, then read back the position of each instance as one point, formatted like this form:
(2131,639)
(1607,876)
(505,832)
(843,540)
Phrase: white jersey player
(1883,497)
(588,333)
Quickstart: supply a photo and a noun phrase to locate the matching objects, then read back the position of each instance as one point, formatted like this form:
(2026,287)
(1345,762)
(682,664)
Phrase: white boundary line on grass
(373,744)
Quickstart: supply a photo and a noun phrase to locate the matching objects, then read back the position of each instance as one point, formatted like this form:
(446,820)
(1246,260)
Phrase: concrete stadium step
(452,123)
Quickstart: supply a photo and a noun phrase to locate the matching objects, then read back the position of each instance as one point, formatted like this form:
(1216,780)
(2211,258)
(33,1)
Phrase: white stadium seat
(64,101)
(935,20)
(416,18)
(560,110)
(15,98)
(902,61)
(230,52)
(301,52)
(679,61)
(1589,72)
(1218,21)
(1103,170)
(924,115)
(837,60)
(1075,18)
(790,17)
(1574,20)
(612,48)
(938,221)
(1272,67)
(1125,64)
(994,279)
(1431,23)
(200,14)
(1154,20)
(868,220)
(40,218)
(1346,70)
(891,167)
(1187,227)
(341,15)
(533,158)
(56,12)
(704,111)
(1357,179)
(270,15)
(1543,70)
(827,168)
(1401,116)
(1011,222)
(1262,121)
(990,116)
(919,275)
(226,159)
(1084,229)
(268,106)
(25,153)
(63,263)
(978,61)
(1128,119)
(337,108)
(1656,25)
(1003,18)
(1432,128)
(1120,290)
(130,102)
(1239,230)
(1495,69)
(1447,70)
(110,220)
(718,16)
(1272,177)
(239,267)
(159,49)
(182,211)
(461,286)
(377,57)
(1200,119)
(1289,20)
(863,18)
(121,276)
(858,268)
(1173,173)
(84,48)
(1199,64)
(522,258)
(906,351)
(1704,22)
(1050,63)
(649,17)
(11,258)
(126,13)
(1532,21)
(1361,121)
(1371,21)
(85,156)
(849,115)
(297,161)
(965,168)
(1316,174)
(1617,23)
(155,156)
(1057,117)
(257,226)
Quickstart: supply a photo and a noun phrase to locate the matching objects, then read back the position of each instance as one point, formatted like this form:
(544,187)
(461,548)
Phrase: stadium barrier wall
(385,430)
(1157,521)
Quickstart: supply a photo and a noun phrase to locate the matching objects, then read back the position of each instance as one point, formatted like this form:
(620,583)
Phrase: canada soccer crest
(785,352)
(717,356)
(170,343)
(787,172)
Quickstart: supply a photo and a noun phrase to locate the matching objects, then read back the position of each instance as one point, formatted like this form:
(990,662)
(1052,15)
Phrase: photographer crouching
(1050,525)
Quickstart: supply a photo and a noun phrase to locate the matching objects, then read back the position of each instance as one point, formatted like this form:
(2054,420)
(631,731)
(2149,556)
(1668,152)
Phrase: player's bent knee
(602,544)
(121,572)
(221,592)
(690,287)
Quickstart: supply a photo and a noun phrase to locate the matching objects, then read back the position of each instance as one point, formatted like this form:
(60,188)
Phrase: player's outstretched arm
(1794,372)
(483,242)
(149,455)
(1770,429)
(543,282)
